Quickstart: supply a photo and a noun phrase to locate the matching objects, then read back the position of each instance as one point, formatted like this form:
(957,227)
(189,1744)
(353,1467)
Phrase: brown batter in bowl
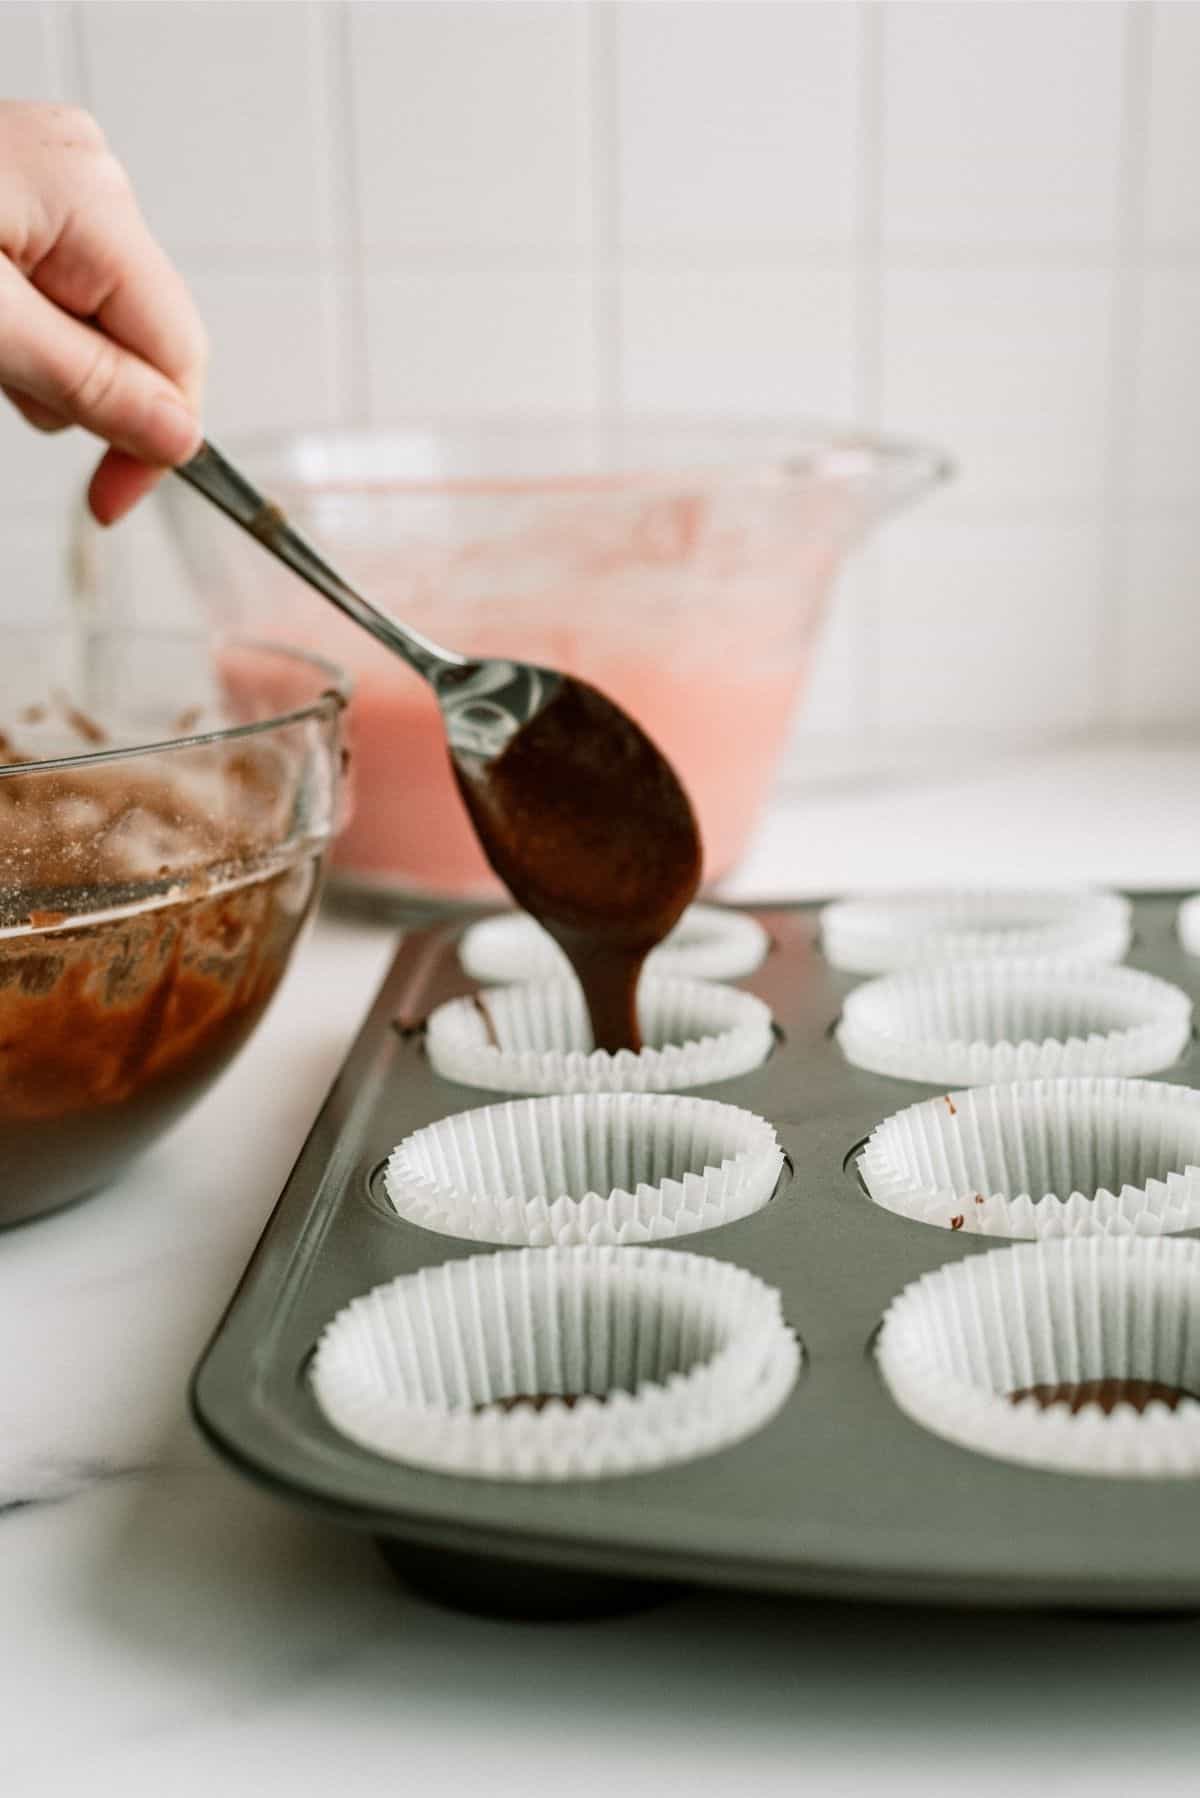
(151,892)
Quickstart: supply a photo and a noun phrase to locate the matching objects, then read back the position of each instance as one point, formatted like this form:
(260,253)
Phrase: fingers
(118,484)
(40,417)
(105,265)
(97,328)
(78,372)
(119,480)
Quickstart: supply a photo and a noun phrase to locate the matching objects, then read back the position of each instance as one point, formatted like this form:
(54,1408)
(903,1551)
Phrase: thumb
(74,370)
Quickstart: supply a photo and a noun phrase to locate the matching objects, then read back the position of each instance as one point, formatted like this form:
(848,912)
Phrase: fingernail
(175,433)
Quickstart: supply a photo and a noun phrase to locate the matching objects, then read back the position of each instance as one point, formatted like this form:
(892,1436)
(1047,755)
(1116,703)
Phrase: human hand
(96,326)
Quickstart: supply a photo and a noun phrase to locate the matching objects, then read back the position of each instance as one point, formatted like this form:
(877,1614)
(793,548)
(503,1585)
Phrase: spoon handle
(217,479)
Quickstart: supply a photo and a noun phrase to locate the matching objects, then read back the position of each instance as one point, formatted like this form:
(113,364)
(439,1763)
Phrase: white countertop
(167,1628)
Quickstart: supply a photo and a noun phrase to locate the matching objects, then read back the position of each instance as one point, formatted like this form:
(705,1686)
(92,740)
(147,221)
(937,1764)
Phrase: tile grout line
(536,259)
(859,582)
(319,26)
(347,270)
(1125,316)
(78,582)
(868,350)
(64,29)
(604,197)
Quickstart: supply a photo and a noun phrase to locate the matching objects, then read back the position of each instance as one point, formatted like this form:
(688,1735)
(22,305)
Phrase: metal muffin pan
(840,1495)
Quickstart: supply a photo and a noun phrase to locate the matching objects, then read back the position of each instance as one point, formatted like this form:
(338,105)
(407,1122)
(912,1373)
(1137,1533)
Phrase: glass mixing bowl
(681,567)
(166,803)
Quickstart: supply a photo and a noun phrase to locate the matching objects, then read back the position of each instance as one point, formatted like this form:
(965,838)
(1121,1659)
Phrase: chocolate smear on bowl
(81,723)
(109,1029)
(145,922)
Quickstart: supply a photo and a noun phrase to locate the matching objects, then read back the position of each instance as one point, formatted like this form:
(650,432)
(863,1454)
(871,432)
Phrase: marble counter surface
(167,1628)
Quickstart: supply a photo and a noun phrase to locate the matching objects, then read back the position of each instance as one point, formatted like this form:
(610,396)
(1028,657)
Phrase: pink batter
(699,628)
(722,738)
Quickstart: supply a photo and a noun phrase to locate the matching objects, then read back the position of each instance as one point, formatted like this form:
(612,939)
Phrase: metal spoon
(483,703)
(579,813)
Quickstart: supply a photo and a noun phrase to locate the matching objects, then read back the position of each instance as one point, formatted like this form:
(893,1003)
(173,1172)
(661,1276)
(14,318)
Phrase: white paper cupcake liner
(666,1355)
(696,1033)
(708,943)
(1188,924)
(956,1343)
(892,931)
(976,1023)
(586,1168)
(1043,1158)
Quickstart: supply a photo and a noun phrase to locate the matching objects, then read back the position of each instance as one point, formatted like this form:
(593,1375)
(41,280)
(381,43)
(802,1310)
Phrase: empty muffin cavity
(891,931)
(978,1023)
(536,1038)
(585,1168)
(557,1363)
(1043,1158)
(1079,1356)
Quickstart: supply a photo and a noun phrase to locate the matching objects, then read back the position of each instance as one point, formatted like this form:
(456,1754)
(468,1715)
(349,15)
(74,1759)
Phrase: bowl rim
(335,694)
(756,449)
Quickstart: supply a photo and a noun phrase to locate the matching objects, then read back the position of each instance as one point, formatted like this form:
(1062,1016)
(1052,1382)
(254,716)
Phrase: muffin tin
(840,1493)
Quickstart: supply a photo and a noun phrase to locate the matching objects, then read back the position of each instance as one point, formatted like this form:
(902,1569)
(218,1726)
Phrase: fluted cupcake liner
(1043,1158)
(708,943)
(959,1344)
(585,1168)
(1188,924)
(536,1038)
(973,1024)
(557,1364)
(892,931)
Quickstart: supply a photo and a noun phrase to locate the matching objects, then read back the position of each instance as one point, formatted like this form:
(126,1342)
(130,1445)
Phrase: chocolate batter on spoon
(577,811)
(589,828)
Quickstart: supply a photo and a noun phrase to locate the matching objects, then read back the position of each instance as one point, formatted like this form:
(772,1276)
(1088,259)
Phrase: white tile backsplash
(271,359)
(774,342)
(985,630)
(1001,123)
(974,223)
(1160,642)
(212,106)
(1166,450)
(34,584)
(1172,190)
(472,126)
(26,55)
(737,127)
(41,475)
(1010,366)
(455,343)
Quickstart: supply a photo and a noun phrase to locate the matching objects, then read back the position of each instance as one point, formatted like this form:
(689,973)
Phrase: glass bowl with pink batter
(166,805)
(682,568)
